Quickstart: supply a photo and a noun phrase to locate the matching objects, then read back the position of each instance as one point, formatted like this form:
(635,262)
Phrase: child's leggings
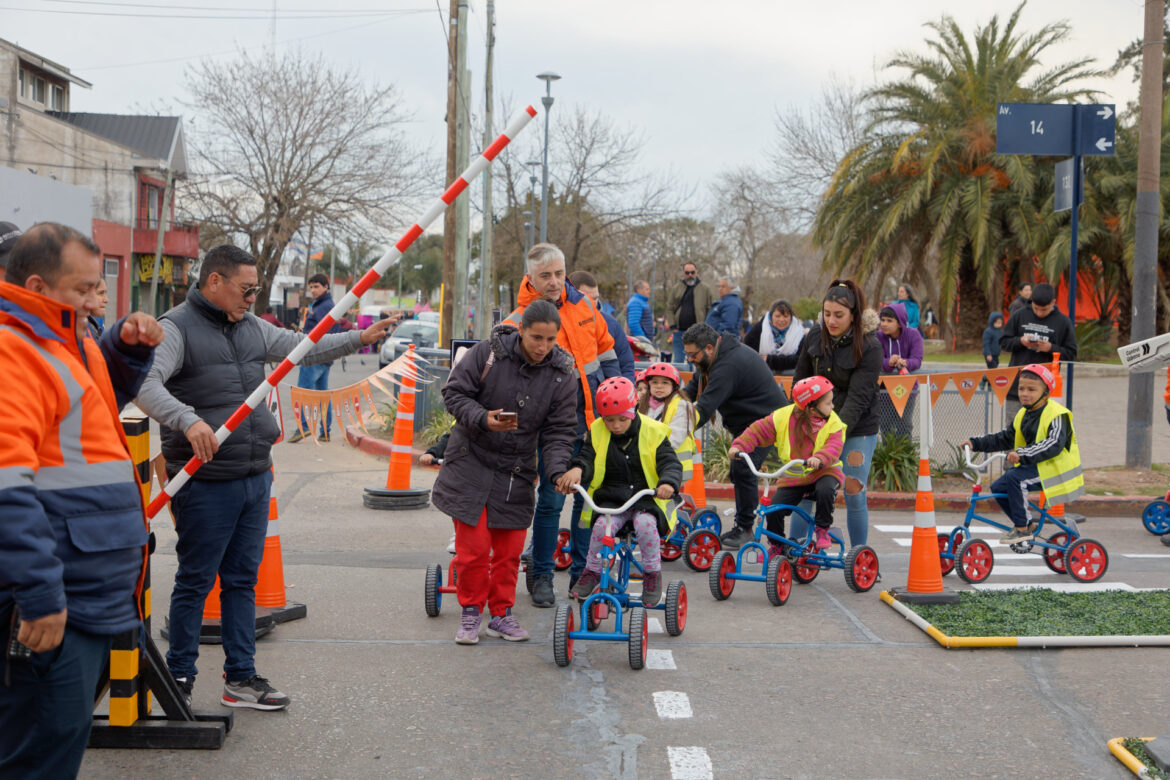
(645,529)
(823,492)
(1015,483)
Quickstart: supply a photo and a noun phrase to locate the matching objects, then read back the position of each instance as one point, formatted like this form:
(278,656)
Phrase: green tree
(925,185)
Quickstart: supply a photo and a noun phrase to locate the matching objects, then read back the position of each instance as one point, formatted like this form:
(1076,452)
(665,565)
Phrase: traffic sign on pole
(1034,128)
(1098,126)
(1062,197)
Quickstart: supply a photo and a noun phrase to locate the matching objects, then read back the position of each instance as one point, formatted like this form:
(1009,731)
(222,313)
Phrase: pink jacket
(762,433)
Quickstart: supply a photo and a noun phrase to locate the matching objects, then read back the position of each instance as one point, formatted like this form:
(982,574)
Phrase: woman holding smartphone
(508,394)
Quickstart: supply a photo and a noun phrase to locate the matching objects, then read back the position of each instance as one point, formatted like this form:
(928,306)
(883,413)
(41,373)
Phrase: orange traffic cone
(696,487)
(398,494)
(270,578)
(924,582)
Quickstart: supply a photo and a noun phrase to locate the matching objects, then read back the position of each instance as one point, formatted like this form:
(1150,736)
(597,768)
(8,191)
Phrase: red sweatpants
(488,564)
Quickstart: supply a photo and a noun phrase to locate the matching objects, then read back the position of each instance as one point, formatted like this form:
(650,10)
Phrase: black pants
(747,491)
(823,492)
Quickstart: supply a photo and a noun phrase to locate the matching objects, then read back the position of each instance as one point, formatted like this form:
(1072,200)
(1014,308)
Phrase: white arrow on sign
(1102,144)
(1105,112)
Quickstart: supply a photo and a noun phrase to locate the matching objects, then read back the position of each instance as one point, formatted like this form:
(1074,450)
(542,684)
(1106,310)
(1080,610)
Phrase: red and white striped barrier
(261,392)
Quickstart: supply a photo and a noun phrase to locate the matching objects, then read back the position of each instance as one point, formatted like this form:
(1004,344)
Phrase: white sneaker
(451,545)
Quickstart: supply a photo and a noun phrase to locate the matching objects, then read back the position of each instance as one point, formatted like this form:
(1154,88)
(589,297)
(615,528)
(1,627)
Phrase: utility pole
(308,266)
(168,193)
(487,269)
(1139,415)
(462,204)
(454,73)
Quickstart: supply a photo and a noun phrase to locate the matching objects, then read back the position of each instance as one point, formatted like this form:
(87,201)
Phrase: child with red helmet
(642,387)
(807,430)
(668,406)
(625,452)
(1042,452)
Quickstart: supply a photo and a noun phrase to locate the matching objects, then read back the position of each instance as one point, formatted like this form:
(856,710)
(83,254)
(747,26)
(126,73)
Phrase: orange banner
(967,382)
(1001,380)
(937,383)
(786,383)
(900,387)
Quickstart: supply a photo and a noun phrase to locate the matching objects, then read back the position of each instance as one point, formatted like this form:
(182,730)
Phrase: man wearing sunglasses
(215,356)
(690,300)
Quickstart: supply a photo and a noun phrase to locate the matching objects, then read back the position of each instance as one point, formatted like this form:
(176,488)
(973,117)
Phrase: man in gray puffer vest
(215,355)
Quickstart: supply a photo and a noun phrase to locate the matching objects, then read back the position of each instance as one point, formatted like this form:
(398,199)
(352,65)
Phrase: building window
(23,82)
(38,89)
(57,96)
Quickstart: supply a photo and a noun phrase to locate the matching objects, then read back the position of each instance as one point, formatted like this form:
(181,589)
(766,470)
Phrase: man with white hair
(585,336)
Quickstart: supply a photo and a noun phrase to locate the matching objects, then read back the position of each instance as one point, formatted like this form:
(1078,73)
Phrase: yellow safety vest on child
(651,434)
(780,421)
(686,450)
(1060,476)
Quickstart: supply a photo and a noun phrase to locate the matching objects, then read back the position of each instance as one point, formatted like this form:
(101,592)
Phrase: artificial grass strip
(1137,746)
(1038,612)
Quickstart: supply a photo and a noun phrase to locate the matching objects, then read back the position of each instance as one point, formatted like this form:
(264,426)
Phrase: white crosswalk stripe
(660,659)
(689,763)
(672,705)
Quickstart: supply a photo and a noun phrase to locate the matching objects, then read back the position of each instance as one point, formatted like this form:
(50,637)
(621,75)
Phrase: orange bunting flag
(937,383)
(352,404)
(967,382)
(1001,380)
(900,387)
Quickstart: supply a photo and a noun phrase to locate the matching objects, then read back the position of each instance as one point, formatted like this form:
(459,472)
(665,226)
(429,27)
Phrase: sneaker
(186,684)
(451,545)
(255,692)
(323,438)
(295,437)
(1166,539)
(824,541)
(574,577)
(585,585)
(507,627)
(775,550)
(542,591)
(1020,533)
(651,588)
(735,538)
(468,633)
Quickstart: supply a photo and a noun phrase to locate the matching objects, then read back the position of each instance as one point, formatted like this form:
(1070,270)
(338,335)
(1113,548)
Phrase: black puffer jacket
(737,385)
(482,468)
(854,384)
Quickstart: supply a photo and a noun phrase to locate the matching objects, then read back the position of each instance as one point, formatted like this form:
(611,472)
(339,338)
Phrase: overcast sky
(701,80)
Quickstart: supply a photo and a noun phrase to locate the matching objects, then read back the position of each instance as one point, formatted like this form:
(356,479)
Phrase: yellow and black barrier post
(138,667)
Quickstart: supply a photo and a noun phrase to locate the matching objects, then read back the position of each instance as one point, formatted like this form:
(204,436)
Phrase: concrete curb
(952,642)
(1089,506)
(1132,762)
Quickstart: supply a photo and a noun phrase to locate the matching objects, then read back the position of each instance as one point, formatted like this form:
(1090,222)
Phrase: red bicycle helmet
(616,395)
(640,376)
(1045,374)
(665,370)
(809,389)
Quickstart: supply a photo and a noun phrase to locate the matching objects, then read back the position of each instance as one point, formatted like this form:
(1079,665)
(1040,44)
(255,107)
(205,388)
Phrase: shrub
(715,463)
(807,307)
(386,413)
(895,463)
(438,423)
(1093,340)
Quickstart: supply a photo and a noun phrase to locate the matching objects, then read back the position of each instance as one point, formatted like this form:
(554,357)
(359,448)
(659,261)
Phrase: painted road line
(654,626)
(1145,555)
(660,659)
(689,763)
(995,544)
(1064,587)
(672,705)
(909,529)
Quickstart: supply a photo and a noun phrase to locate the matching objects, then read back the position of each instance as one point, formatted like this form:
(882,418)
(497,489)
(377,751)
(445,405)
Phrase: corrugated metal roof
(156,137)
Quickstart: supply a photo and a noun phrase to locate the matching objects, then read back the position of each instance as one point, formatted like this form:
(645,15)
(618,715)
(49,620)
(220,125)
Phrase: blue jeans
(45,715)
(856,508)
(1015,483)
(546,522)
(221,527)
(677,343)
(316,377)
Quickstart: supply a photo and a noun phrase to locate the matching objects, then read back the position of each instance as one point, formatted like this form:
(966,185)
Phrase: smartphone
(507,416)
(16,650)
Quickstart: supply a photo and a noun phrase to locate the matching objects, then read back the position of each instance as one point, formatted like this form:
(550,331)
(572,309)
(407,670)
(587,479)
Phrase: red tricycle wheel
(724,564)
(861,568)
(947,564)
(563,554)
(699,549)
(670,551)
(1086,560)
(974,560)
(1054,559)
(803,571)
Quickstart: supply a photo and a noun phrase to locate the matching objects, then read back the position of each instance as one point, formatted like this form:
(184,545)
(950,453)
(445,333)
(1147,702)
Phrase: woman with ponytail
(839,349)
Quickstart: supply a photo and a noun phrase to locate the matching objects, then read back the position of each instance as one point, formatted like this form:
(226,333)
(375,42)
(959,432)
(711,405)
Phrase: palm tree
(925,188)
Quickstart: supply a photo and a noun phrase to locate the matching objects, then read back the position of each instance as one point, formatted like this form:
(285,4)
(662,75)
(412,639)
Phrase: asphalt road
(833,684)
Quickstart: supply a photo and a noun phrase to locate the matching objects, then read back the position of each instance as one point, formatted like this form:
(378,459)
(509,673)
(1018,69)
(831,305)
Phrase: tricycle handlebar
(987,461)
(787,467)
(608,510)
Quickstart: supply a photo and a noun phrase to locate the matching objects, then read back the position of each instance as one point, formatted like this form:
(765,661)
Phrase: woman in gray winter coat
(508,394)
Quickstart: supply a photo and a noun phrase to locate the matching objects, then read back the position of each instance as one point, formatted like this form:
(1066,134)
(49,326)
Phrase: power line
(213,17)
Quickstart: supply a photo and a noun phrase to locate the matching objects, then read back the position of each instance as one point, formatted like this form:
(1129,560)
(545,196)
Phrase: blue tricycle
(802,561)
(618,567)
(1064,550)
(695,537)
(1156,516)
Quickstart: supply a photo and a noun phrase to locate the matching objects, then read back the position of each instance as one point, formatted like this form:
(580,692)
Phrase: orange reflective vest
(583,334)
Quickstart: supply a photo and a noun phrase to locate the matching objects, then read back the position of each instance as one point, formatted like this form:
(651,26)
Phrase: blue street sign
(1034,128)
(1062,200)
(1098,129)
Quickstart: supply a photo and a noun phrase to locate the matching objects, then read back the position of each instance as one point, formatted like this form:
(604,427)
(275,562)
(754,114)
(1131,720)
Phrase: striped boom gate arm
(258,396)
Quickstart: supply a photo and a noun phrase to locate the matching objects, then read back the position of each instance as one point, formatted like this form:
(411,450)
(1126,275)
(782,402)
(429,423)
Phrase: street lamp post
(528,225)
(532,166)
(548,77)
